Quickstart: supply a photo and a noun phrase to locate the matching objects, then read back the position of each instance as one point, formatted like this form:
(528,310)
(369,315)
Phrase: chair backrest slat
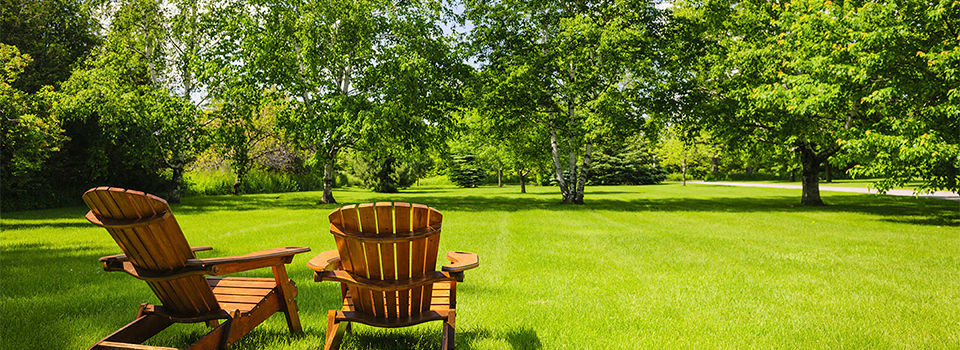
(354,252)
(368,225)
(402,256)
(388,260)
(157,246)
(401,216)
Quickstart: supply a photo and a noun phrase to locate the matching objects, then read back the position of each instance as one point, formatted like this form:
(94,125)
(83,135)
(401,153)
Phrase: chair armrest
(382,286)
(459,262)
(326,261)
(114,262)
(255,260)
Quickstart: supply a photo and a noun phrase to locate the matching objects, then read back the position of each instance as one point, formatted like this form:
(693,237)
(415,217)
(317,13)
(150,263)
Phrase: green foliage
(628,164)
(574,70)
(803,75)
(386,173)
(356,74)
(54,33)
(464,171)
(690,155)
(899,159)
(217,182)
(28,134)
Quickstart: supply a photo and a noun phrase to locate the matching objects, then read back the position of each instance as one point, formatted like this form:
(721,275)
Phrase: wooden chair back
(388,241)
(148,234)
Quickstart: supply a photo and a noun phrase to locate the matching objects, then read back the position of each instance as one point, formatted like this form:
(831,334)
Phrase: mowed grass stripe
(661,266)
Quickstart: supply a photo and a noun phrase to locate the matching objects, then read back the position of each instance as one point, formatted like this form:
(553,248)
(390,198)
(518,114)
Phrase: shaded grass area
(636,267)
(860,183)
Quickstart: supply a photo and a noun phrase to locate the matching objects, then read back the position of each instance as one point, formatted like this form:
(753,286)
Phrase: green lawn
(659,266)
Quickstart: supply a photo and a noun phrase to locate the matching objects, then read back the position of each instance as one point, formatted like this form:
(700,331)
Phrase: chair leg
(288,292)
(138,331)
(213,323)
(449,330)
(334,331)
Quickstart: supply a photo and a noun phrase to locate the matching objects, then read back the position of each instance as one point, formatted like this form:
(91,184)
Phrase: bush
(214,182)
(464,171)
(630,164)
(386,173)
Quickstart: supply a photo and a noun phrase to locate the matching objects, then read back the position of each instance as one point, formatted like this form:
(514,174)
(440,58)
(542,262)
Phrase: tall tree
(357,73)
(798,74)
(28,134)
(575,67)
(126,108)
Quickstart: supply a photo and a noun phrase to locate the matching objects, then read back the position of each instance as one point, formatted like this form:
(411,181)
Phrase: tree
(125,121)
(54,33)
(384,172)
(574,68)
(917,133)
(800,74)
(630,162)
(683,151)
(29,134)
(355,73)
(464,171)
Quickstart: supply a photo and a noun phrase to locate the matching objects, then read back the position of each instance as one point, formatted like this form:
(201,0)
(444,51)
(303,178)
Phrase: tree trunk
(827,172)
(238,183)
(584,173)
(523,181)
(328,174)
(713,165)
(177,190)
(683,171)
(557,168)
(811,180)
(571,173)
(499,177)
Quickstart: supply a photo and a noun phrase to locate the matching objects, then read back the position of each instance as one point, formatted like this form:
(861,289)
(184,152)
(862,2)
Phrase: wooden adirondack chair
(155,251)
(386,264)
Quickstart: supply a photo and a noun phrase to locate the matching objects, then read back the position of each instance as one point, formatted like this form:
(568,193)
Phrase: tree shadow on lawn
(919,211)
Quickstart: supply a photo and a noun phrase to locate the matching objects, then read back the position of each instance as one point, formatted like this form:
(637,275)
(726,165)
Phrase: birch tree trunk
(557,168)
(328,174)
(584,173)
(523,181)
(683,170)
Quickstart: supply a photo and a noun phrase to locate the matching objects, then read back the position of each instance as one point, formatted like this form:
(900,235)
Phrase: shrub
(631,164)
(464,171)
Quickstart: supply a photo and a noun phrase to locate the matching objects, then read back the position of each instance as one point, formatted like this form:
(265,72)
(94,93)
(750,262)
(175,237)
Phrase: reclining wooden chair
(155,250)
(386,264)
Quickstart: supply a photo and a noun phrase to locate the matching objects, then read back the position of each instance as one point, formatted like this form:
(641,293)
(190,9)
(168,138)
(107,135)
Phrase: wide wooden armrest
(325,261)
(459,262)
(255,260)
(119,258)
(383,286)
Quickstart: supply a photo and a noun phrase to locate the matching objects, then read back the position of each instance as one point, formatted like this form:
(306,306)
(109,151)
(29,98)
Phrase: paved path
(908,193)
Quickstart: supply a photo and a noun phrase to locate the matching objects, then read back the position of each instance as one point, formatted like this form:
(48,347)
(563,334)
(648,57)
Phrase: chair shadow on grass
(40,281)
(364,337)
